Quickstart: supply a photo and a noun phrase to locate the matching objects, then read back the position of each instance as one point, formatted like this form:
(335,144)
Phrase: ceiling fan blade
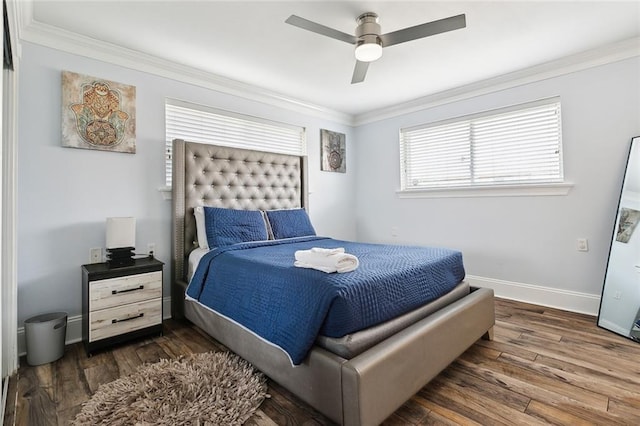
(305,24)
(424,30)
(359,72)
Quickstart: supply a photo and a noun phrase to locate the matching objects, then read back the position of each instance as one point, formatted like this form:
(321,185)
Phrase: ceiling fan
(368,40)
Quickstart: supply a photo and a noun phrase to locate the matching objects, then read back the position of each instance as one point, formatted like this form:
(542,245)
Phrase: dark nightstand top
(141,265)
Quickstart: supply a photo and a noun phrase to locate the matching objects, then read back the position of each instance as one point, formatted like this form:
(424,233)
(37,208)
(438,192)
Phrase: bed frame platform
(363,390)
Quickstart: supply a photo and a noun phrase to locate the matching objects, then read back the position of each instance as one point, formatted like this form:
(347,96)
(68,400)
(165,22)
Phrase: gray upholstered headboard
(210,175)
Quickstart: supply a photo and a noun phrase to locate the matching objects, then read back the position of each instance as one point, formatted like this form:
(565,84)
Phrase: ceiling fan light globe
(368,52)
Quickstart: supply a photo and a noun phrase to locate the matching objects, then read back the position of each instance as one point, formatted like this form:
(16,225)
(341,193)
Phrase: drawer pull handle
(127,290)
(127,319)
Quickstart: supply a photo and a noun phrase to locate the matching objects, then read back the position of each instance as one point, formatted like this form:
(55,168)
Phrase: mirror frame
(634,141)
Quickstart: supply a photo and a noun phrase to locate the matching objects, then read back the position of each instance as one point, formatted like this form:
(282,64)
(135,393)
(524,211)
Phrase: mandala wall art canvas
(98,114)
(333,147)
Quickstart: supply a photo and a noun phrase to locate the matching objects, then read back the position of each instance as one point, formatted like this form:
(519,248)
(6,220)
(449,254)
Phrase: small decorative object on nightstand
(119,304)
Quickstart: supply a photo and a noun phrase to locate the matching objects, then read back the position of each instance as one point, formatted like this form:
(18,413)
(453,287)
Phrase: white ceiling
(249,41)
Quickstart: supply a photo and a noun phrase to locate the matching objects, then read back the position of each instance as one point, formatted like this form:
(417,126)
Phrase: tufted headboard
(210,175)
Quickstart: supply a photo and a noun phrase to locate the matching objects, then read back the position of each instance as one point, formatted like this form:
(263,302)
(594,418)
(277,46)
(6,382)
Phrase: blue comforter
(256,285)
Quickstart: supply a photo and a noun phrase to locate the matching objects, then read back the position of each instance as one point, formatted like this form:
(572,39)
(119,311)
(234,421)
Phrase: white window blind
(197,123)
(516,145)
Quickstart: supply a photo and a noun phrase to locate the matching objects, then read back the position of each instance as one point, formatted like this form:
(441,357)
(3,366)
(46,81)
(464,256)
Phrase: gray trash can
(45,335)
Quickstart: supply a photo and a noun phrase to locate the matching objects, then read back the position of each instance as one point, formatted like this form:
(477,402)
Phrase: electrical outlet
(617,295)
(95,254)
(582,244)
(151,249)
(394,231)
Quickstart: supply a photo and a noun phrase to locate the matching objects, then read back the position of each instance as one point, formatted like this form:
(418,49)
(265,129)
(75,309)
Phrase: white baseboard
(74,328)
(567,300)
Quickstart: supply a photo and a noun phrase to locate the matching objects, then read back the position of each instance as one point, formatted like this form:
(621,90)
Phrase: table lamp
(121,241)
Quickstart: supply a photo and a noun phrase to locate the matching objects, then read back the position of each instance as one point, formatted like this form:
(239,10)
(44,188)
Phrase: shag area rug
(213,388)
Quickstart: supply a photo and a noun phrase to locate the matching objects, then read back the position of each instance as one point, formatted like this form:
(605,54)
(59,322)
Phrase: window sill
(532,190)
(166,192)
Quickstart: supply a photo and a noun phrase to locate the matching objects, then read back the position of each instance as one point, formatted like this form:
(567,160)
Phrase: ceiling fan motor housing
(367,25)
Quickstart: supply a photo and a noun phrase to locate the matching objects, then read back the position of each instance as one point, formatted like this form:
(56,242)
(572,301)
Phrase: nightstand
(120,304)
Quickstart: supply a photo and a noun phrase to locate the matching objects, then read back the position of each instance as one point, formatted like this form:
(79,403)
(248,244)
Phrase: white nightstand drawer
(123,319)
(123,290)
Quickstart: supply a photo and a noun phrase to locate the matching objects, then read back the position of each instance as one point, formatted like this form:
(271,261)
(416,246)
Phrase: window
(511,146)
(202,124)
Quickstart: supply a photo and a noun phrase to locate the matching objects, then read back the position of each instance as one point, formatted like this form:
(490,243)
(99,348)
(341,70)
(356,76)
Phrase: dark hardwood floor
(544,366)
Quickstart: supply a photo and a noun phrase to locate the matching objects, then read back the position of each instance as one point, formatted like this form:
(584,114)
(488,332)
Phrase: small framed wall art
(333,151)
(98,114)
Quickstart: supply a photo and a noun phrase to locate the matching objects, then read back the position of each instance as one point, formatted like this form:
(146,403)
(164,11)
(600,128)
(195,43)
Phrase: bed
(351,386)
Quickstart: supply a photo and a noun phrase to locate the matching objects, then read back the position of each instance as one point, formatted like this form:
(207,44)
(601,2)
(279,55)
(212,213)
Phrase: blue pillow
(226,226)
(290,223)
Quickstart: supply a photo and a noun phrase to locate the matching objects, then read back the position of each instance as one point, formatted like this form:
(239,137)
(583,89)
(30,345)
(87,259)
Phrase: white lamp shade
(121,232)
(368,52)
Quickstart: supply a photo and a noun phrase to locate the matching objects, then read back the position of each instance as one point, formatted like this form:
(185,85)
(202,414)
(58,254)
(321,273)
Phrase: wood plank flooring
(544,366)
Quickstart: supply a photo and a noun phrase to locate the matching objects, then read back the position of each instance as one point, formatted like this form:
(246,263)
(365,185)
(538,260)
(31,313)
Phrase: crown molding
(591,58)
(56,38)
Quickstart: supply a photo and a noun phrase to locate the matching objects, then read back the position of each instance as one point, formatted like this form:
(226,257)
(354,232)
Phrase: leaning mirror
(620,302)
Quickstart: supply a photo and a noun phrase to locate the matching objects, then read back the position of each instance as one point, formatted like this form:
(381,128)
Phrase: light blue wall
(65,194)
(523,240)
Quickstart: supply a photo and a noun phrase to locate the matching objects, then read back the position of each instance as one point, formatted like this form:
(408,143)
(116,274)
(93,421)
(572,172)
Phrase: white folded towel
(326,260)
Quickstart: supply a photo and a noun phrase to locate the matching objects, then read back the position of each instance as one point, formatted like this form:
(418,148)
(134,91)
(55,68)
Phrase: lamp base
(120,257)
